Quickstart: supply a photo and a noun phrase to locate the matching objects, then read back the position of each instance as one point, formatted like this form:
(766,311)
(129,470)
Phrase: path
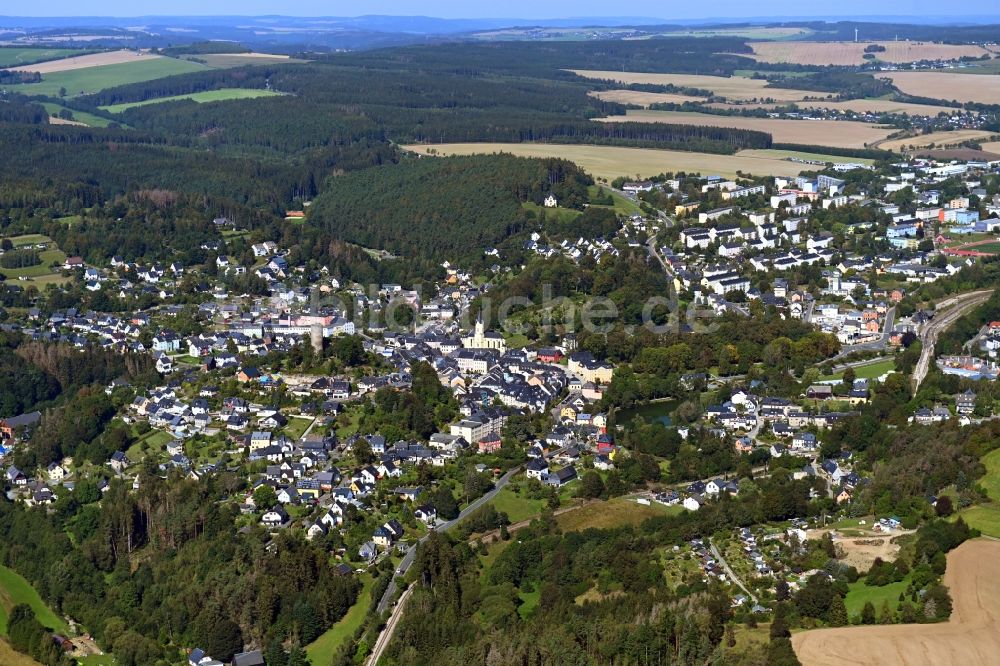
(729,572)
(948,311)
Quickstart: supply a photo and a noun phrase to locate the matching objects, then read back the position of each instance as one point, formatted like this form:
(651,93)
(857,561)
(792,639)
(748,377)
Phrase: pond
(651,412)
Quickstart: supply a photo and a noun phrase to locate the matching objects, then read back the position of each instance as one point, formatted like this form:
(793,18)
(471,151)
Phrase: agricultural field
(852,53)
(856,105)
(751,32)
(609,162)
(200,97)
(951,138)
(643,98)
(971,636)
(986,517)
(92,79)
(737,88)
(87,61)
(229,60)
(16,590)
(83,117)
(948,85)
(833,133)
(14,56)
(803,155)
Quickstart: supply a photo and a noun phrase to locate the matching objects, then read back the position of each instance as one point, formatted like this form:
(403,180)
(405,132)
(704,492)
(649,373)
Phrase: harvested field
(85,61)
(852,53)
(609,162)
(733,87)
(971,637)
(963,154)
(834,133)
(948,85)
(643,98)
(942,139)
(228,60)
(857,106)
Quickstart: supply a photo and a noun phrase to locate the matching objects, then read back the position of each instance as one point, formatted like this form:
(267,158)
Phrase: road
(877,345)
(947,312)
(729,572)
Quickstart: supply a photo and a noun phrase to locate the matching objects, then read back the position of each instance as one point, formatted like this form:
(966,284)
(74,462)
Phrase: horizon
(517,10)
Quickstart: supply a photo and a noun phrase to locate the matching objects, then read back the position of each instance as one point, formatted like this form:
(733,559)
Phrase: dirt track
(971,637)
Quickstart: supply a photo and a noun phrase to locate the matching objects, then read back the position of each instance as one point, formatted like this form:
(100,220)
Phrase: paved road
(407,562)
(411,554)
(729,572)
(877,345)
(952,309)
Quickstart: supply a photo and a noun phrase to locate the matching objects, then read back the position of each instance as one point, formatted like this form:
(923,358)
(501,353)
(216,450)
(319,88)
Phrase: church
(481,339)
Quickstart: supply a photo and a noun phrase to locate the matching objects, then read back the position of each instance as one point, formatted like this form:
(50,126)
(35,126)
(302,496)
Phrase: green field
(228,60)
(152,443)
(88,119)
(870,371)
(14,56)
(297,427)
(321,650)
(529,601)
(92,79)
(16,590)
(986,517)
(516,507)
(200,97)
(859,593)
(39,274)
(614,513)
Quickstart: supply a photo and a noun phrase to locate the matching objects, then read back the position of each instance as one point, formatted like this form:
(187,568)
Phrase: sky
(678,9)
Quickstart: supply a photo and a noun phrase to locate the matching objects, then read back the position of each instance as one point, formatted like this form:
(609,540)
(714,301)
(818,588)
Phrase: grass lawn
(321,650)
(516,507)
(529,601)
(297,427)
(516,340)
(16,590)
(867,371)
(347,423)
(562,215)
(88,119)
(13,56)
(29,239)
(614,513)
(93,79)
(859,593)
(40,274)
(200,97)
(622,206)
(99,660)
(11,657)
(155,441)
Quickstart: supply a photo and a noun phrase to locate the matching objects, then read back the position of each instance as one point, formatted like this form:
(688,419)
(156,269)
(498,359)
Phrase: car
(400,571)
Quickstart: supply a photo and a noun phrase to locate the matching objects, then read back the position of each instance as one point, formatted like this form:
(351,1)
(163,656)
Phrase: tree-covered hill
(443,207)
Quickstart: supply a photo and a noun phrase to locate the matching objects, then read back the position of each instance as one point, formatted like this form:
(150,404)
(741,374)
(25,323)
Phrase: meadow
(610,162)
(852,53)
(88,119)
(613,513)
(220,95)
(833,133)
(229,60)
(92,79)
(16,590)
(321,650)
(731,87)
(39,274)
(946,85)
(14,56)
